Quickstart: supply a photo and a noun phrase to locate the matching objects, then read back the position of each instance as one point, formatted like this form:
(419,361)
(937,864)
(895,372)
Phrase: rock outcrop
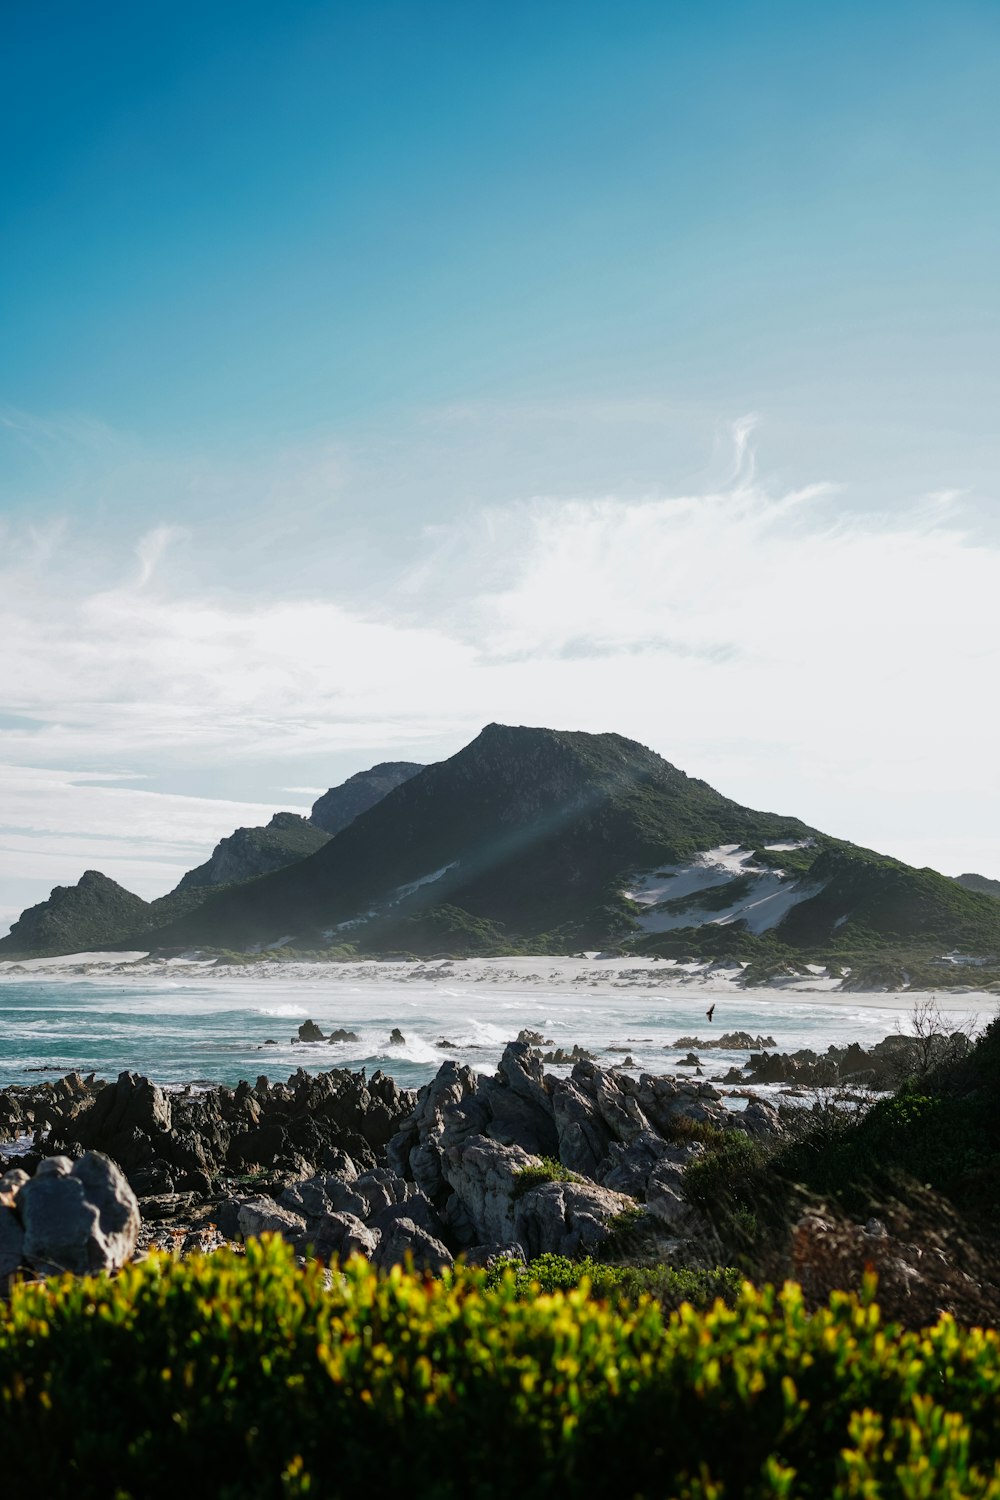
(70,1216)
(478,1148)
(342,804)
(167,1142)
(882,1067)
(249,852)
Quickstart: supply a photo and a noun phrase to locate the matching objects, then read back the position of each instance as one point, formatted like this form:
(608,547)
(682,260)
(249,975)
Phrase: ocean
(185,1026)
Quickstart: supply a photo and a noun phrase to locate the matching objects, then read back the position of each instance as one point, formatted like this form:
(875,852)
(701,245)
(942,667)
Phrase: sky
(372,372)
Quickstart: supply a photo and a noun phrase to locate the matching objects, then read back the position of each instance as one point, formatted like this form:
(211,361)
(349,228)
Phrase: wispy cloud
(798,656)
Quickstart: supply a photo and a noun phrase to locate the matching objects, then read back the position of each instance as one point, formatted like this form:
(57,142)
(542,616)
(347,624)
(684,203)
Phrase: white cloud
(837,668)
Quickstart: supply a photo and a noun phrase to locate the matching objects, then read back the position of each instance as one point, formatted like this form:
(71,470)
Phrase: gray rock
(760,1119)
(416,1208)
(55,1166)
(484,1176)
(582,1136)
(404,1239)
(628,1168)
(165,1206)
(488,1255)
(565,1218)
(83,1219)
(259,1216)
(338,1236)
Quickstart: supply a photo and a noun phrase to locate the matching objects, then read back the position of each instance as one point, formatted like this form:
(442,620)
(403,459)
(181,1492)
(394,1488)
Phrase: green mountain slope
(534,829)
(249,852)
(538,839)
(94,914)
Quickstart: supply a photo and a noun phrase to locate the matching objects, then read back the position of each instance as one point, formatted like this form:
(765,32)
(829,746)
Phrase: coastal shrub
(548,1169)
(667,1285)
(232,1376)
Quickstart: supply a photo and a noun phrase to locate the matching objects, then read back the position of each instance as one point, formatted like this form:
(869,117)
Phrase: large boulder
(566,1218)
(405,1240)
(77,1216)
(338,1236)
(259,1216)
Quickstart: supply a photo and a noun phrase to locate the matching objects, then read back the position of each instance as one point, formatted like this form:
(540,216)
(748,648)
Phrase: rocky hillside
(256,851)
(543,840)
(980,883)
(94,913)
(531,829)
(342,804)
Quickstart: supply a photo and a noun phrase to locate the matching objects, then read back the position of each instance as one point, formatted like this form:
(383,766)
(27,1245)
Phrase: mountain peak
(95,911)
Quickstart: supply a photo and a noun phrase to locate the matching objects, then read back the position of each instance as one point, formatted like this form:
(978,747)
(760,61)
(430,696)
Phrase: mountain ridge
(533,839)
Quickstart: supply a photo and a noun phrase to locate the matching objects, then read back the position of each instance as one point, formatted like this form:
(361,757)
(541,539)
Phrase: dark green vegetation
(618,1283)
(94,914)
(547,1169)
(524,842)
(247,1377)
(256,851)
(930,1154)
(530,829)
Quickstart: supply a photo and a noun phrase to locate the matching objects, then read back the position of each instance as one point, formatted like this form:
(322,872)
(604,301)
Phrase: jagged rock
(583,1139)
(185,1140)
(561,1058)
(404,1239)
(664,1195)
(341,1035)
(416,1208)
(627,1169)
(565,1218)
(77,1216)
(396,1038)
(259,1216)
(528,1038)
(453,1084)
(310,1032)
(484,1176)
(165,1206)
(488,1255)
(338,1236)
(730,1041)
(760,1119)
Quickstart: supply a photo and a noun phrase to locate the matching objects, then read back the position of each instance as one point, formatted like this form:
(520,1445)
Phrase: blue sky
(335,326)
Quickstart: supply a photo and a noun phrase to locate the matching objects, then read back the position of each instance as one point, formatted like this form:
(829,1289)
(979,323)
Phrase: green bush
(618,1284)
(231,1376)
(548,1169)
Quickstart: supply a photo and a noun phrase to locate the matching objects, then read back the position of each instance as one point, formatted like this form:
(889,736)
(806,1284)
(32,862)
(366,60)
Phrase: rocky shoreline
(518,1164)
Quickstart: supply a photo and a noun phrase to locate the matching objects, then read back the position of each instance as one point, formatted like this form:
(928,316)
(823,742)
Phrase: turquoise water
(216,1031)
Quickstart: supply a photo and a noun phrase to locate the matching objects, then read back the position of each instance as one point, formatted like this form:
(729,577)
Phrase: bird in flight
(711,1010)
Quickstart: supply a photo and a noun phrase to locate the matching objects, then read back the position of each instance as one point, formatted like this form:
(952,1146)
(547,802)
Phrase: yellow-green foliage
(230,1377)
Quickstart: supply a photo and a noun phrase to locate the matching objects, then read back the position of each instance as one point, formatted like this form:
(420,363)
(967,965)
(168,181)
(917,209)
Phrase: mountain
(95,914)
(532,829)
(255,851)
(342,804)
(88,916)
(981,883)
(543,840)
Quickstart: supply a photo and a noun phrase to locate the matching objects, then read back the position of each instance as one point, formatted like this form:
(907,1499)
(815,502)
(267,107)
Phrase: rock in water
(310,1032)
(81,1217)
